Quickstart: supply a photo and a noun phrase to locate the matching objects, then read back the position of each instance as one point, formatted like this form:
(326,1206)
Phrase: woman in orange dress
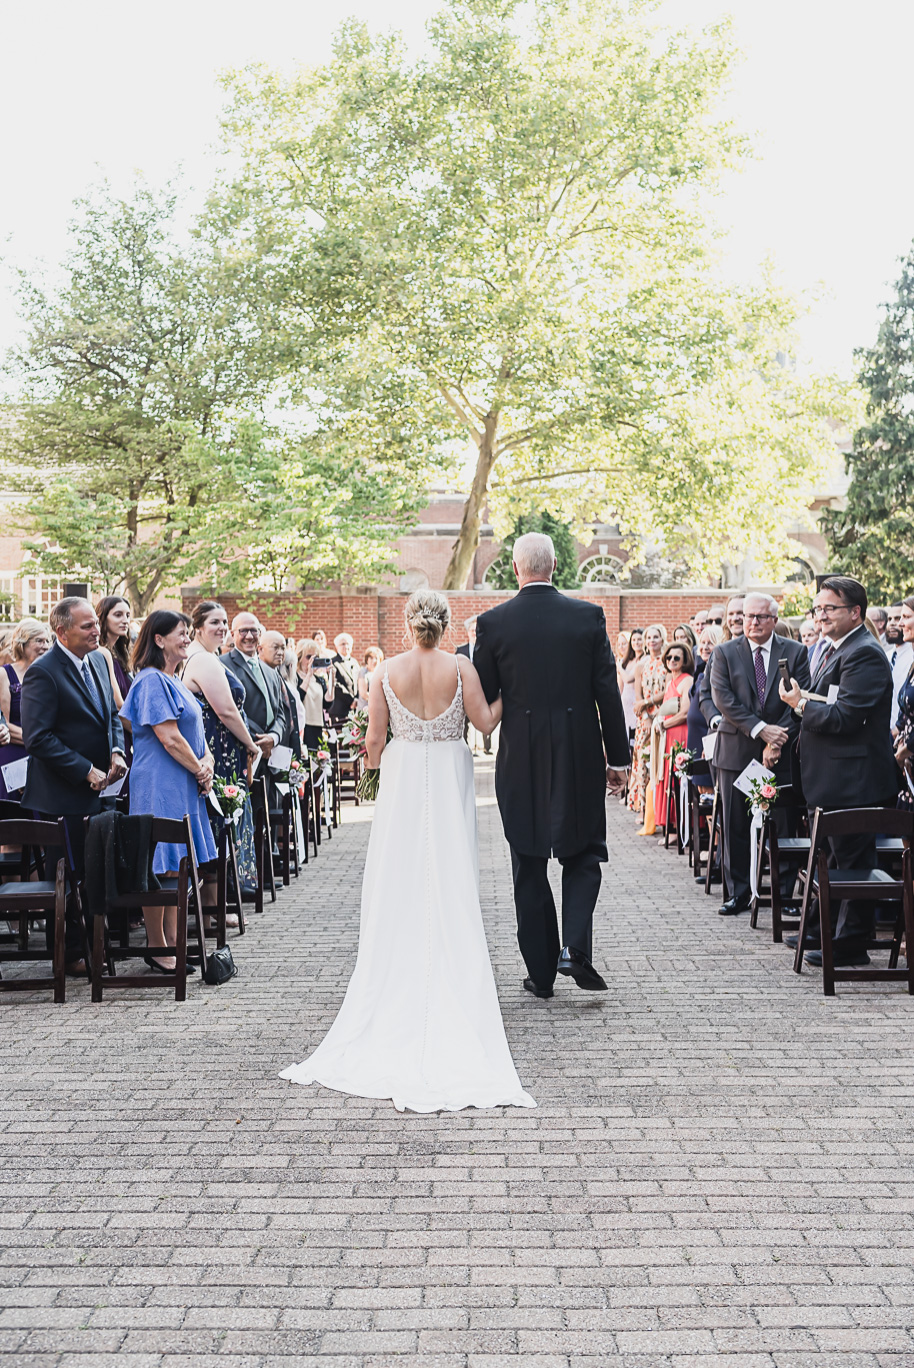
(672,723)
(650,680)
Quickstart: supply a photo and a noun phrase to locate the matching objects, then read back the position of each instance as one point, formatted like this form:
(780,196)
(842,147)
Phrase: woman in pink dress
(672,720)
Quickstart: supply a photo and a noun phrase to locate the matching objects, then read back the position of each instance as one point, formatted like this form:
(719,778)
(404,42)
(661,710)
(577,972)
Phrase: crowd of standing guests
(152,715)
(826,706)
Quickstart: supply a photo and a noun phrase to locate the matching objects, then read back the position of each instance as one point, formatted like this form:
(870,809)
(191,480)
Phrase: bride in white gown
(420,1023)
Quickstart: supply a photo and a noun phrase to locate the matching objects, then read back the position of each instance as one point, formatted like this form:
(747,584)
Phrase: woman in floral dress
(650,686)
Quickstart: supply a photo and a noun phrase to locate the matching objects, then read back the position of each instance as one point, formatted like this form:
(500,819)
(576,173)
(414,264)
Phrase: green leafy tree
(872,537)
(500,574)
(141,387)
(512,229)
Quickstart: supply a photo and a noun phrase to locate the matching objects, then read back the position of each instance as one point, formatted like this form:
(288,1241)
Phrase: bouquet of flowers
(230,798)
(324,761)
(294,776)
(762,794)
(681,759)
(356,730)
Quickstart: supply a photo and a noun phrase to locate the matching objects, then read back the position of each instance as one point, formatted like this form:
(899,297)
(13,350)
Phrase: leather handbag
(220,966)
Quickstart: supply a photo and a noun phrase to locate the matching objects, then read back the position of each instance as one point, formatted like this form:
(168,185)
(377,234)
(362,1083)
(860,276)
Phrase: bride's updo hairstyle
(427,616)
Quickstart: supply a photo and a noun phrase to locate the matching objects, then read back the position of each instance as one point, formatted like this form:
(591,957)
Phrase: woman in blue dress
(172,767)
(221,695)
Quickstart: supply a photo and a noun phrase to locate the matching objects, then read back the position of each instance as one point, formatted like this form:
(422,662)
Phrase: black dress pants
(537,921)
(737,829)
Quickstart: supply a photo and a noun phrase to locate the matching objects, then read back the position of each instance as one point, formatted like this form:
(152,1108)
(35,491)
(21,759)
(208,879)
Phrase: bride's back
(425,681)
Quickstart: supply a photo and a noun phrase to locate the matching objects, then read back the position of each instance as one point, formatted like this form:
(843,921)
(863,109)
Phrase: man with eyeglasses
(753,723)
(846,757)
(263,704)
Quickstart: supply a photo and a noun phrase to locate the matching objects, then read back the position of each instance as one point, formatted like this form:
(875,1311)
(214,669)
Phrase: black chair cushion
(43,888)
(857,876)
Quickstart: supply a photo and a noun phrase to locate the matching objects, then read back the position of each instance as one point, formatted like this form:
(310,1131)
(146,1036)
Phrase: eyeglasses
(249,631)
(715,622)
(826,609)
(757,617)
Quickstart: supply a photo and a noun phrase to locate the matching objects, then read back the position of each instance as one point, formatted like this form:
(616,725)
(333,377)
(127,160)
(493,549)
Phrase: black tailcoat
(550,658)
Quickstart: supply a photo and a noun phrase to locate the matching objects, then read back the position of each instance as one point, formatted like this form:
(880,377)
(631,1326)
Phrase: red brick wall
(376,618)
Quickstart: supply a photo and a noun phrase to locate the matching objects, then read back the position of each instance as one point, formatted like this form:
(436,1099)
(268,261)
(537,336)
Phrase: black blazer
(255,707)
(846,754)
(65,734)
(346,689)
(735,696)
(550,658)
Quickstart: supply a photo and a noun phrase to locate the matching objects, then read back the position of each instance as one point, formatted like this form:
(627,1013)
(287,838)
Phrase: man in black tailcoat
(563,740)
(73,735)
(753,723)
(846,754)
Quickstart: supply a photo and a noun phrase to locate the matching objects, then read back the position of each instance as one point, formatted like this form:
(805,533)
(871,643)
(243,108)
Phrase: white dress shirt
(765,649)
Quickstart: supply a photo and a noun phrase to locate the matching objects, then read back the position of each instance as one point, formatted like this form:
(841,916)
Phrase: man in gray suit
(753,723)
(263,703)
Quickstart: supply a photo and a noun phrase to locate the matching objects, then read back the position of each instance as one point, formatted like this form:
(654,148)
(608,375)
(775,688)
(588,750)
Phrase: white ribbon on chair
(758,821)
(683,810)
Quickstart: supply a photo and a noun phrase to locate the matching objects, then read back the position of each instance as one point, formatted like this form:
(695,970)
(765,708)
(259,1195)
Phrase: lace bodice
(406,726)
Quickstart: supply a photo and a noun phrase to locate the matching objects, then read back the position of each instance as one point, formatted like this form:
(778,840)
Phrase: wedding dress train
(420,1023)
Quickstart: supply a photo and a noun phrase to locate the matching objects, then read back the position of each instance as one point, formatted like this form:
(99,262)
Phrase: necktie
(257,672)
(825,658)
(92,688)
(761,674)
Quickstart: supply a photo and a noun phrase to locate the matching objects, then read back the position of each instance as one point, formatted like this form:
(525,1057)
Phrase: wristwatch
(801,707)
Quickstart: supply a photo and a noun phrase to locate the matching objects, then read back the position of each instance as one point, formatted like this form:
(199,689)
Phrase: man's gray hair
(774,607)
(534,556)
(61,615)
(244,613)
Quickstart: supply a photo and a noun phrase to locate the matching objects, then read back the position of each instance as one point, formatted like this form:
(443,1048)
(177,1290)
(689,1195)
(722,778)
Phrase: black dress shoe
(841,960)
(810,942)
(734,906)
(579,967)
(158,968)
(536,990)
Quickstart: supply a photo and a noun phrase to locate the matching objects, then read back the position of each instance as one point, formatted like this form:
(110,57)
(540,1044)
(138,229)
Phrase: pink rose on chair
(768,791)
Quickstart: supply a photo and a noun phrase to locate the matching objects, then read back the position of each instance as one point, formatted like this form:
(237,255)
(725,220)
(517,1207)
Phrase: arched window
(413,579)
(602,570)
(802,572)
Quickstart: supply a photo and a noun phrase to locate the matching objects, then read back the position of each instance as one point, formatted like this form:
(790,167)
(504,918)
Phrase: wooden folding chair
(715,843)
(777,855)
(860,885)
(182,893)
(263,841)
(25,901)
(699,812)
(228,887)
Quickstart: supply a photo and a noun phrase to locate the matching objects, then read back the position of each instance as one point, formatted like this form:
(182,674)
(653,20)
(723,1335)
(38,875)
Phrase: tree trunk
(468,538)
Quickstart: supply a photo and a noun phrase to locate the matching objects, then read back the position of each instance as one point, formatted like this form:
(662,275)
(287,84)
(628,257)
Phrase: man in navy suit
(72,733)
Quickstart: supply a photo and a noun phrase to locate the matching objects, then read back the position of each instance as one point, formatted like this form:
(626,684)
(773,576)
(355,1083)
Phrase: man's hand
(616,780)
(117,771)
(774,736)
(770,756)
(98,779)
(790,696)
(266,742)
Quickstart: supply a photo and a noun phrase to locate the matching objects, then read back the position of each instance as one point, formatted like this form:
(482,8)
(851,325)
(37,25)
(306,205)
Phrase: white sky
(106,88)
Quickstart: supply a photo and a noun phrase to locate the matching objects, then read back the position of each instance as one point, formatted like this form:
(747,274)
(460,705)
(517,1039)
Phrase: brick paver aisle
(718,1171)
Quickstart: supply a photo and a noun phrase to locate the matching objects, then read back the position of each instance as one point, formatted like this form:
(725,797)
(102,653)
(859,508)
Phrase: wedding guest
(809,635)
(899,652)
(733,626)
(879,618)
(698,621)
(346,674)
(650,686)
(845,747)
(626,667)
(30,640)
(221,696)
(310,693)
(272,651)
(113,613)
(621,646)
(172,766)
(469,650)
(373,657)
(671,723)
(73,736)
(6,644)
(697,727)
(263,705)
(753,723)
(904,703)
(684,634)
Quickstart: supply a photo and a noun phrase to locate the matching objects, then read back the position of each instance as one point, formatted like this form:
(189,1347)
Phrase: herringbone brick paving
(718,1172)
